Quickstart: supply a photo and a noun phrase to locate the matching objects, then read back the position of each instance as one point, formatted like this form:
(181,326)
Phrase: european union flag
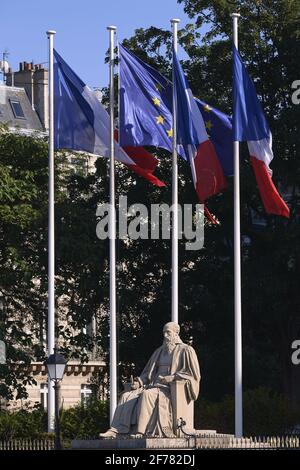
(149,121)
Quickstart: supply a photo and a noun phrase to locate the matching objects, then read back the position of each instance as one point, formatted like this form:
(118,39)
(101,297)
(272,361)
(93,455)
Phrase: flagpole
(174,23)
(237,274)
(112,234)
(51,234)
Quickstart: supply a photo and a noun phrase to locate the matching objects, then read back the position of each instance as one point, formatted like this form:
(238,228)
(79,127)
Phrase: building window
(78,165)
(44,395)
(86,394)
(17,109)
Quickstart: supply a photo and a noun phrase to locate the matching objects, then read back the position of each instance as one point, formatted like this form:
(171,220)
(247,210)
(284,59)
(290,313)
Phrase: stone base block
(187,442)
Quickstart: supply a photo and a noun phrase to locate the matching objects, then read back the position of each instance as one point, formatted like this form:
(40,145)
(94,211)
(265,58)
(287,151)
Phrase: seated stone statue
(147,408)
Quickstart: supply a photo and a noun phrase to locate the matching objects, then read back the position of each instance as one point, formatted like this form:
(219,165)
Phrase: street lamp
(2,329)
(56,364)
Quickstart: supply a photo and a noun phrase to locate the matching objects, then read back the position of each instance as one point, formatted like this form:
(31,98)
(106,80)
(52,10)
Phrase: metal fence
(261,442)
(218,442)
(27,444)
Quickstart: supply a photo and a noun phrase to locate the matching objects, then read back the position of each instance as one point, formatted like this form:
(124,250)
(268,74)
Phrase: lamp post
(2,330)
(1,302)
(56,364)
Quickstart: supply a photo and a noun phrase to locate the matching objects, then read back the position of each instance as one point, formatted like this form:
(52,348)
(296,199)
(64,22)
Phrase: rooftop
(16,110)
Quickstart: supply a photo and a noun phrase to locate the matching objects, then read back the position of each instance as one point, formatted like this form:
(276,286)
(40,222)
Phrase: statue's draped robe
(148,410)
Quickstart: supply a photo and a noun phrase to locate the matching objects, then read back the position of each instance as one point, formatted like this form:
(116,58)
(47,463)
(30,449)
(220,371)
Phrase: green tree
(23,212)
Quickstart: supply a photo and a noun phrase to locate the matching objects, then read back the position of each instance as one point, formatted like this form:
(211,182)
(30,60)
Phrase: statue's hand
(135,385)
(166,379)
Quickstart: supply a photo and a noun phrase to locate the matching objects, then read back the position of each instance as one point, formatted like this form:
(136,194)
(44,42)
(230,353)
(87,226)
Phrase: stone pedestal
(182,410)
(192,442)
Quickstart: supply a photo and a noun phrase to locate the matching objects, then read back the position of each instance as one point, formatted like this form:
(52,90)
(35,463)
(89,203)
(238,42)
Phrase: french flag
(81,123)
(250,125)
(207,172)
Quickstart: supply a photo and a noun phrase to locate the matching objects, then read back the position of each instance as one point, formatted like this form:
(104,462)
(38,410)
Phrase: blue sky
(82,38)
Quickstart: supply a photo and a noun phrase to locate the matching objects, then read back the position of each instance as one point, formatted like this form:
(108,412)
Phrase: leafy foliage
(23,423)
(265,413)
(83,422)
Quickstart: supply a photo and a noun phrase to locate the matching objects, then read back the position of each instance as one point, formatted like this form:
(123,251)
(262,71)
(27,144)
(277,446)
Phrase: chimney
(40,81)
(34,79)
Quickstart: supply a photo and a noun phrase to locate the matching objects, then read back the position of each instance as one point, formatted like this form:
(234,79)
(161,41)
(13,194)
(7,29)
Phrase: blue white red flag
(250,125)
(206,169)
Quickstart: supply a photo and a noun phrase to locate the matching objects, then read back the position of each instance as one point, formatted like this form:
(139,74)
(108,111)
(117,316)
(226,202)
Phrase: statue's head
(171,334)
(172,326)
